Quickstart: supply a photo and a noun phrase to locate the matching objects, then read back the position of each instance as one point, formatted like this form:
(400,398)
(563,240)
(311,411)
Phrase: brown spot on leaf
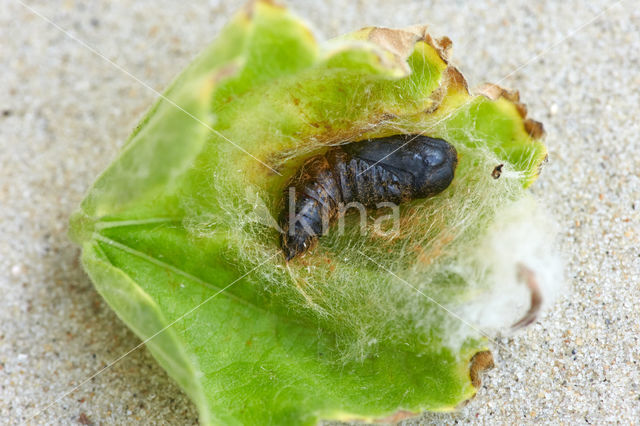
(480,362)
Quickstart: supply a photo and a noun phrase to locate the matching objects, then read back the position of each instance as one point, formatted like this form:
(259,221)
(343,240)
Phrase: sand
(64,112)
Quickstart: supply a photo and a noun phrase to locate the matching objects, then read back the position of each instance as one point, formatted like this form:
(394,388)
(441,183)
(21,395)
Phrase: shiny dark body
(393,169)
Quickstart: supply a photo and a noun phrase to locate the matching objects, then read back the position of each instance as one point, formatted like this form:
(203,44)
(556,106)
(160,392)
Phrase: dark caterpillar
(393,169)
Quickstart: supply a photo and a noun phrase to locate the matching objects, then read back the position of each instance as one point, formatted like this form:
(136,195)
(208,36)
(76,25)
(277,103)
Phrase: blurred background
(65,110)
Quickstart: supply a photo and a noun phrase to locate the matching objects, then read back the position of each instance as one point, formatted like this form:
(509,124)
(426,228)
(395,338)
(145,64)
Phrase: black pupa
(393,169)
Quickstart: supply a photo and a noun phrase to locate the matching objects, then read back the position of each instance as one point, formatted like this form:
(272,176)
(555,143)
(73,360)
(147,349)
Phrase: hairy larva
(393,169)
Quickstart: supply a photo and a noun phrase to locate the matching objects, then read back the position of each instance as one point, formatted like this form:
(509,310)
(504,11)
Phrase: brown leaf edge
(534,128)
(401,42)
(479,363)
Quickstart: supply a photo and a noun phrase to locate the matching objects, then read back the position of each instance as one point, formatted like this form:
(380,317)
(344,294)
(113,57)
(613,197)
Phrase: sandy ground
(64,112)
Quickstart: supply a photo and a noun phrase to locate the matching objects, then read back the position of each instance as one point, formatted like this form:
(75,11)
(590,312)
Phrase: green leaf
(175,233)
